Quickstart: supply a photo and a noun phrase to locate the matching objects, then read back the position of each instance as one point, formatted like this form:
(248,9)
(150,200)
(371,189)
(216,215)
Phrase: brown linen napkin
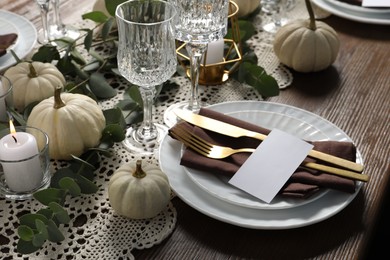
(303,183)
(352,2)
(6,40)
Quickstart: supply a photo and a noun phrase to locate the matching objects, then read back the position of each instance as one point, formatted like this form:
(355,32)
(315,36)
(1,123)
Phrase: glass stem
(45,25)
(57,17)
(196,51)
(279,12)
(147,130)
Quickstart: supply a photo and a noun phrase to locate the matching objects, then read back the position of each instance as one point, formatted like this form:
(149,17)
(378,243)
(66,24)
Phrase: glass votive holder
(6,98)
(24,162)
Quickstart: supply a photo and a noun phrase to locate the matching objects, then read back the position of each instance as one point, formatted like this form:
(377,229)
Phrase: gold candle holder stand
(217,73)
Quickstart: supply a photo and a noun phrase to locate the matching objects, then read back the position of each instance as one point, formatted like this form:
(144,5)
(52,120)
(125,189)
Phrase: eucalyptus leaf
(54,233)
(247,30)
(29,219)
(77,57)
(128,105)
(97,56)
(46,53)
(112,4)
(84,163)
(48,195)
(114,131)
(135,95)
(71,186)
(100,87)
(25,232)
(85,184)
(26,247)
(113,116)
(46,212)
(95,16)
(39,238)
(107,26)
(59,213)
(88,40)
(257,77)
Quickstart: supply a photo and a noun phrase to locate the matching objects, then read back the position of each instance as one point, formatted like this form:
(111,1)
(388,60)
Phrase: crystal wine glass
(277,8)
(58,29)
(44,33)
(146,58)
(198,23)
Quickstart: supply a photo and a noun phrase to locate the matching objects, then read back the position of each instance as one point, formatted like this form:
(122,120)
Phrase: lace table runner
(95,231)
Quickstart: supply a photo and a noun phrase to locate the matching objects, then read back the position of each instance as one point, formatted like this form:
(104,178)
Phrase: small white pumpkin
(33,81)
(246,7)
(73,123)
(138,192)
(306,45)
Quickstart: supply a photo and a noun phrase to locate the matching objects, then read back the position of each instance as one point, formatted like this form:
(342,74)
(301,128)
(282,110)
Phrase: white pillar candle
(215,52)
(3,110)
(21,174)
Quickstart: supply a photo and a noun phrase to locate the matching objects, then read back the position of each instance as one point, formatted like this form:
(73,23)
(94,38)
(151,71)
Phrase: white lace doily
(95,232)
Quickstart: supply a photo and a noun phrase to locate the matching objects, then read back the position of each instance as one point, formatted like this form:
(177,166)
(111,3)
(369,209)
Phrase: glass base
(143,147)
(41,38)
(68,31)
(273,27)
(170,119)
(7,193)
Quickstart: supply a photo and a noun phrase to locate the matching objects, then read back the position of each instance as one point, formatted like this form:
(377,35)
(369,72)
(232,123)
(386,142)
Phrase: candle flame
(12,130)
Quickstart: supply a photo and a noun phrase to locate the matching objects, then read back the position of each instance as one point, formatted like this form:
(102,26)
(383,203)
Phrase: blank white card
(268,168)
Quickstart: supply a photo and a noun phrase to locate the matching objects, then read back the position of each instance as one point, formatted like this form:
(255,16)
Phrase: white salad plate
(281,214)
(27,37)
(355,13)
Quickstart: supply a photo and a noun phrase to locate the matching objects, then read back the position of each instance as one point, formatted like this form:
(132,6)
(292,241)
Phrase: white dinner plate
(360,9)
(27,36)
(290,217)
(354,13)
(218,185)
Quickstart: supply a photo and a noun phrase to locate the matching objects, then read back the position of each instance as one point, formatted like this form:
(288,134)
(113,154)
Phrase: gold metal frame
(217,73)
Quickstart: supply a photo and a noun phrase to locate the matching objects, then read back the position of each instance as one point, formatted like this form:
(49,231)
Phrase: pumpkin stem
(139,173)
(33,73)
(58,103)
(312,25)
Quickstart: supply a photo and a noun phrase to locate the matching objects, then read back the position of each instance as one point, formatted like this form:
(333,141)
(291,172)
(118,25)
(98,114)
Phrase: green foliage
(249,71)
(85,72)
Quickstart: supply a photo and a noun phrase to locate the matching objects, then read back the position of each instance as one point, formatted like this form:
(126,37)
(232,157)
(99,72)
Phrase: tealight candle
(215,52)
(20,161)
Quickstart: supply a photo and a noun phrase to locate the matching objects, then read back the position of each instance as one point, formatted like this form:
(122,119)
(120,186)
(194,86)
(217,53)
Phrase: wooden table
(354,94)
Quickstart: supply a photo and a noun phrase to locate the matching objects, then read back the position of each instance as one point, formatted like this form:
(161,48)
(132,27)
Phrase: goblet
(44,33)
(278,10)
(198,23)
(58,29)
(146,58)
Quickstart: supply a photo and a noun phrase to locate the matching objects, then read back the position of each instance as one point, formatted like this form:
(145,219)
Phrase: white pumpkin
(246,7)
(33,81)
(306,45)
(137,191)
(73,122)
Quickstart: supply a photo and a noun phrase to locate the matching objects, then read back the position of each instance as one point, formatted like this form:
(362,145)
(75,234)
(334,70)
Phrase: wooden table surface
(354,94)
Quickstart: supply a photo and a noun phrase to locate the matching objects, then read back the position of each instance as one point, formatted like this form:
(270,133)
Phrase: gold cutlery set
(349,169)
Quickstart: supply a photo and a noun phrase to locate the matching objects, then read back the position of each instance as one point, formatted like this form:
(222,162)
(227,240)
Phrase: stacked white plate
(27,36)
(211,194)
(355,12)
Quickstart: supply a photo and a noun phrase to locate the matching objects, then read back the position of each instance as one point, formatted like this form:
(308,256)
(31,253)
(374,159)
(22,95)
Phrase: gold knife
(235,131)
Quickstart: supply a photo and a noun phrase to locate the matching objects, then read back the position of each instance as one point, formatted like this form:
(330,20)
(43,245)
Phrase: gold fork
(210,150)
